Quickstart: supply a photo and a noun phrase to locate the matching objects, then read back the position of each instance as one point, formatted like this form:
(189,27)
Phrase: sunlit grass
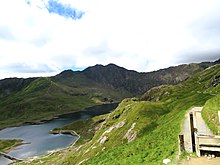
(6,145)
(210,114)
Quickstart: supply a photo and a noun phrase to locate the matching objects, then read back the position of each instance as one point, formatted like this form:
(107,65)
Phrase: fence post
(181,143)
(219,116)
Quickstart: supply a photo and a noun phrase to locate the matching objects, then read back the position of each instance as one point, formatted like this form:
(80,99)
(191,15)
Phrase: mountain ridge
(34,99)
(117,77)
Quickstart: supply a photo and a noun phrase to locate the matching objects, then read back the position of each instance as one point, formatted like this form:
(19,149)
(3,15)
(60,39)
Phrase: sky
(45,37)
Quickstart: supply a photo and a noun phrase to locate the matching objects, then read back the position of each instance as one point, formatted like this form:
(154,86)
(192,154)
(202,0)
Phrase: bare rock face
(104,137)
(103,140)
(131,134)
(215,80)
(156,93)
(166,161)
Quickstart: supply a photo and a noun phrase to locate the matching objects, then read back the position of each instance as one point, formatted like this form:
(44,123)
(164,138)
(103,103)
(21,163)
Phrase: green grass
(86,128)
(210,114)
(7,145)
(159,139)
(45,98)
(156,126)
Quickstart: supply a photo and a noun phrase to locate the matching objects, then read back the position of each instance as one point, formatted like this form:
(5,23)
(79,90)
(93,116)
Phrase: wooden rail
(207,143)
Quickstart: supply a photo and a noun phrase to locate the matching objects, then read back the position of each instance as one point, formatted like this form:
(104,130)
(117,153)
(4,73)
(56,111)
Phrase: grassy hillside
(210,114)
(35,99)
(40,100)
(6,145)
(212,106)
(140,132)
(44,98)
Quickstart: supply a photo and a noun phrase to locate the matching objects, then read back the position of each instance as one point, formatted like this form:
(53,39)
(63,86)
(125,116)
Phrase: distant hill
(10,85)
(137,83)
(34,99)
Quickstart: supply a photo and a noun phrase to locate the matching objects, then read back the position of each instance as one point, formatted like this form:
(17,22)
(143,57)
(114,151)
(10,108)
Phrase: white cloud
(142,35)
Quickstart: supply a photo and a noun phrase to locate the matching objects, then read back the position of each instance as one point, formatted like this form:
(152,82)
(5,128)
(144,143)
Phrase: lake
(37,135)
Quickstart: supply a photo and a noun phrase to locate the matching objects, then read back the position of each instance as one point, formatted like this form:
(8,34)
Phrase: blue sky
(64,10)
(44,37)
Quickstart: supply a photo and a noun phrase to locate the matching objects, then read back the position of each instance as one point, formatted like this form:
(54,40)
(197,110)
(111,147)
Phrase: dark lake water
(38,137)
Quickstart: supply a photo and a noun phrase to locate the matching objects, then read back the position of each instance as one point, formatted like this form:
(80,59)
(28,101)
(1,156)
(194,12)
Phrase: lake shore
(55,116)
(9,144)
(62,118)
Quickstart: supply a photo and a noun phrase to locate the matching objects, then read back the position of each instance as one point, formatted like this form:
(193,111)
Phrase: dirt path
(201,161)
(199,123)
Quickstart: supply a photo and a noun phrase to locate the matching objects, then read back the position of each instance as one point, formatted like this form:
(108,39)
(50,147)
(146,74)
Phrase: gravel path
(201,125)
(187,134)
(201,161)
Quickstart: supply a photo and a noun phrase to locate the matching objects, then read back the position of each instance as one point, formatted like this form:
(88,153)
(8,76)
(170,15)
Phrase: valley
(142,129)
(38,99)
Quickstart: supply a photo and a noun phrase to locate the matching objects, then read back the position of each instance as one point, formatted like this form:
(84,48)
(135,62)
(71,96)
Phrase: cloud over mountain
(143,35)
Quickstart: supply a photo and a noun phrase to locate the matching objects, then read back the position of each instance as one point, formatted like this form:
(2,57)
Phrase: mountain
(143,131)
(138,83)
(115,77)
(36,99)
(12,85)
